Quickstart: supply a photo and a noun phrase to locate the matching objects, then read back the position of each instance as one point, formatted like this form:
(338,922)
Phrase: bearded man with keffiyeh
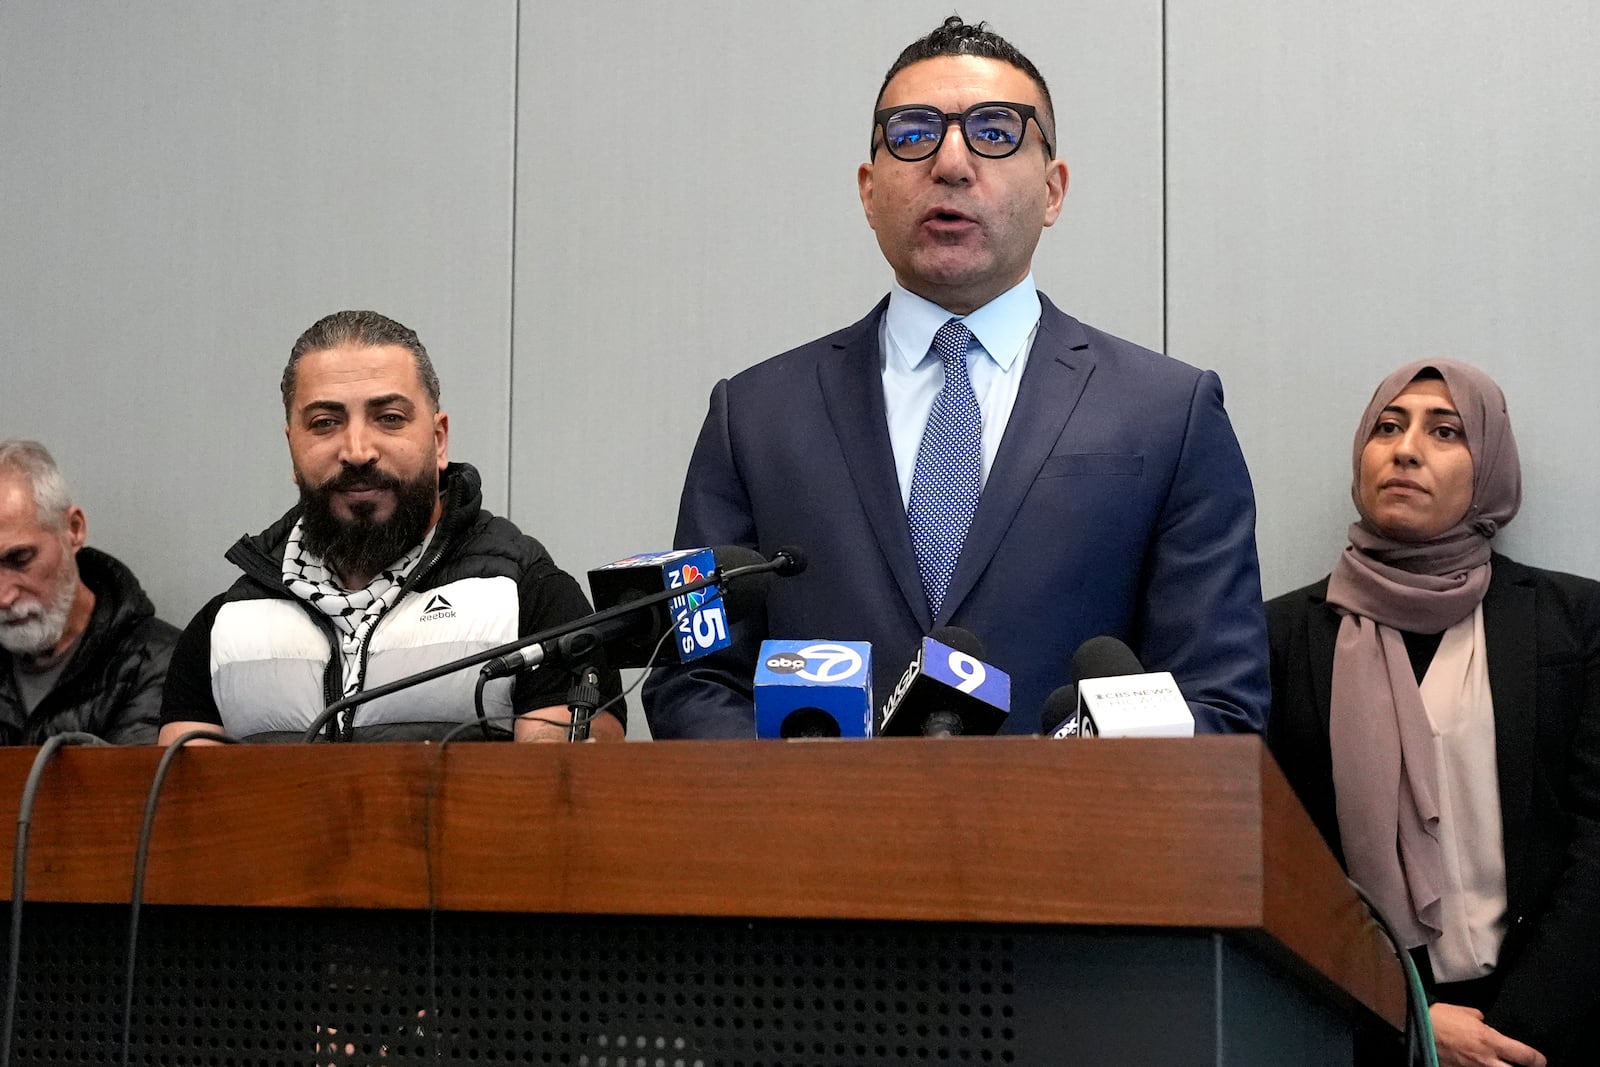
(388,566)
(1436,706)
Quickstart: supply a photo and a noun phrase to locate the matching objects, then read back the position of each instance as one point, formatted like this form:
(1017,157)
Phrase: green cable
(1419,1025)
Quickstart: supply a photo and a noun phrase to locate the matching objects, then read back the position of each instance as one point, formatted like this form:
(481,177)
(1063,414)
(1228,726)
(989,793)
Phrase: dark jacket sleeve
(1551,990)
(187,695)
(1200,613)
(711,697)
(136,718)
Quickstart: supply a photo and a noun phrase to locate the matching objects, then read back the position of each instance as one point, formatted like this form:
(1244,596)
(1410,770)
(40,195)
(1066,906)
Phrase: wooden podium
(1008,901)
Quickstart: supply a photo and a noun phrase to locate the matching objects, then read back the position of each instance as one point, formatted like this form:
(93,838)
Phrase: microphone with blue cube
(698,619)
(814,689)
(947,690)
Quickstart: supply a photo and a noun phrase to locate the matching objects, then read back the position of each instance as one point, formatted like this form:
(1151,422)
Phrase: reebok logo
(438,608)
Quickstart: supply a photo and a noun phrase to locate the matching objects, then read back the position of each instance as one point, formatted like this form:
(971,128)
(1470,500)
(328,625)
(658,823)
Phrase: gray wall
(1353,187)
(184,187)
(591,212)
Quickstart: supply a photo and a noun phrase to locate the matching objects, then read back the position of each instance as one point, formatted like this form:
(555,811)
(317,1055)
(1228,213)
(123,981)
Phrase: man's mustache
(359,479)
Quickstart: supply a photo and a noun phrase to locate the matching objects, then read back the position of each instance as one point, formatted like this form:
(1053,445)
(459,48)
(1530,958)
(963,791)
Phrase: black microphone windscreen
(1058,707)
(960,640)
(1104,657)
(748,593)
(731,556)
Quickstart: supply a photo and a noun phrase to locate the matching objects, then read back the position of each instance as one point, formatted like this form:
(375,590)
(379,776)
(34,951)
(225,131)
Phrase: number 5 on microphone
(702,628)
(709,627)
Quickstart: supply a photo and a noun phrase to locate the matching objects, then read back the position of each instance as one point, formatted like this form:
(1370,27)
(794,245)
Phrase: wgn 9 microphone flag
(814,689)
(946,691)
(699,620)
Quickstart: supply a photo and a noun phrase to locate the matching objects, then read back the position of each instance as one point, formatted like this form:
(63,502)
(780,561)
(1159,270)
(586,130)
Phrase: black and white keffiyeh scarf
(354,612)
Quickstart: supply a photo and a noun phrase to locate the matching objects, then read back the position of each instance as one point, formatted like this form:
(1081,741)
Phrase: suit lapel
(852,391)
(1508,630)
(1058,369)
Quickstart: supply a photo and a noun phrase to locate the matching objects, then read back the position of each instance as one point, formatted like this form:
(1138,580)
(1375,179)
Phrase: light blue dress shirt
(1003,332)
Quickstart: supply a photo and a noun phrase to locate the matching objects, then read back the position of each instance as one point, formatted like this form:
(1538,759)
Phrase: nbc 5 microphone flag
(699,620)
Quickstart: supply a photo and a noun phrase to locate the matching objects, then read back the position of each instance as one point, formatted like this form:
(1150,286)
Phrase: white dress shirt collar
(1002,326)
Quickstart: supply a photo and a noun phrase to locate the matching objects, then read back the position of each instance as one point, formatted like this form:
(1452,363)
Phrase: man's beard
(45,623)
(363,546)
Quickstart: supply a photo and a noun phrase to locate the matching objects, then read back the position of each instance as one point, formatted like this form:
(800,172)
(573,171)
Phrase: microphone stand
(582,700)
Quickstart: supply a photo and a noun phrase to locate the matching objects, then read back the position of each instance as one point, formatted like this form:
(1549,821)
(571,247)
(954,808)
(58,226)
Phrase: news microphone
(1059,716)
(787,561)
(546,640)
(947,690)
(698,618)
(1119,698)
(629,638)
(812,689)
(1104,657)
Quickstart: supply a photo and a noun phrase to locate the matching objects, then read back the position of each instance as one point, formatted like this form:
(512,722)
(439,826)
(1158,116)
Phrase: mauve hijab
(1386,779)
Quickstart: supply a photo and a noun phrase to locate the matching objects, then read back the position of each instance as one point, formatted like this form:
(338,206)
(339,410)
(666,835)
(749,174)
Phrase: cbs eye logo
(817,663)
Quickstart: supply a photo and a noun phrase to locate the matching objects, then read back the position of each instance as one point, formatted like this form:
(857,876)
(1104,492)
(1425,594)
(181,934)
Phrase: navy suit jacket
(1118,503)
(1542,632)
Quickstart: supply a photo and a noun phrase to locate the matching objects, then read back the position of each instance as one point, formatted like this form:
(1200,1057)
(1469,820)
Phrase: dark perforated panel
(230,987)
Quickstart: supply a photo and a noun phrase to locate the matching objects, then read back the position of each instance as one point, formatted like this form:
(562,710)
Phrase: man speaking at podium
(970,455)
(388,566)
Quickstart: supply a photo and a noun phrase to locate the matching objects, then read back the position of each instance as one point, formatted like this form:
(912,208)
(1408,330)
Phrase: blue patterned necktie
(945,483)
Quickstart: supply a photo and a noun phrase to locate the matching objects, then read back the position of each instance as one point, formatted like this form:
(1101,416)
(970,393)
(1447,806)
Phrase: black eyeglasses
(993,129)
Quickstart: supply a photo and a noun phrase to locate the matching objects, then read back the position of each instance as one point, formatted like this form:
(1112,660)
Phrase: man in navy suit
(969,455)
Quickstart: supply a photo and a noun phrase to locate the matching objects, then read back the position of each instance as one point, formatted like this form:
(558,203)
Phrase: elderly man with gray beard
(80,645)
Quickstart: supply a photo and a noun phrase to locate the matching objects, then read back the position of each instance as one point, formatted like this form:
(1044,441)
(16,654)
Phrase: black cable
(428,807)
(482,720)
(650,665)
(477,704)
(608,705)
(141,856)
(19,875)
(1419,1027)
(428,857)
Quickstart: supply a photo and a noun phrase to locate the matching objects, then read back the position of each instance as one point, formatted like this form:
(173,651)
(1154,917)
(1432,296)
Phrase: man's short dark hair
(366,328)
(956,38)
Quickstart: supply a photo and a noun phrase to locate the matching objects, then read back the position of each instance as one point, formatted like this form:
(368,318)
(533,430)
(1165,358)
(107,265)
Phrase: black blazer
(1542,629)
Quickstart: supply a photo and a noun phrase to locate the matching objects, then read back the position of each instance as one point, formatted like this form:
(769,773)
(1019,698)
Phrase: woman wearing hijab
(1436,707)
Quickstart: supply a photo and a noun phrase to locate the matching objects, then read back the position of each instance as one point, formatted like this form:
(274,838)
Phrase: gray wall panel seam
(1166,244)
(511,301)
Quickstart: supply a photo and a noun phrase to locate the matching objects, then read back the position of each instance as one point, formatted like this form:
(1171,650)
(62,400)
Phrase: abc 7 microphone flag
(814,689)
